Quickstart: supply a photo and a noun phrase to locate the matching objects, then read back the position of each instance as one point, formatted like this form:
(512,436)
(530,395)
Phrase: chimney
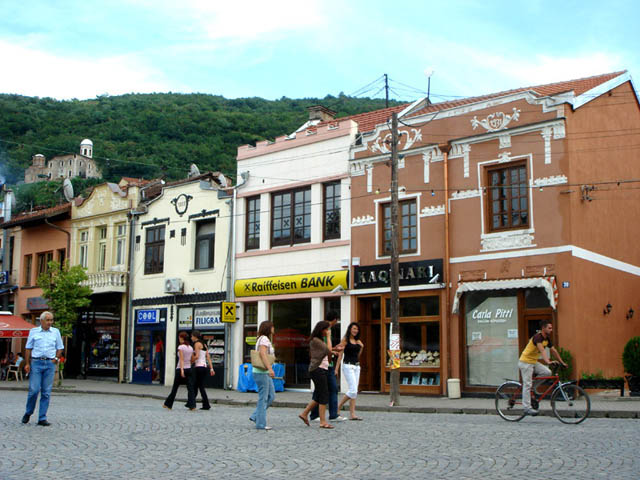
(318,112)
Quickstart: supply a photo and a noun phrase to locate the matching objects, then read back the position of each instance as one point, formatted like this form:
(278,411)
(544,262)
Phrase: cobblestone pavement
(108,437)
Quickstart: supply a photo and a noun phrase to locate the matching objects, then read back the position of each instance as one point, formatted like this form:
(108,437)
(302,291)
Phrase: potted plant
(631,363)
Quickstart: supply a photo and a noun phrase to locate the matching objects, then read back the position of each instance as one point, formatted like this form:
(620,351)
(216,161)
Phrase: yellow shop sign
(286,284)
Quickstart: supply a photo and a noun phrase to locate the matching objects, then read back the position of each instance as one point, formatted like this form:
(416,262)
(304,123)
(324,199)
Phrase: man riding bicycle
(529,364)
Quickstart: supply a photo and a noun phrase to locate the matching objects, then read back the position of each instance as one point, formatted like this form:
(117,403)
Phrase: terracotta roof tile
(37,215)
(368,121)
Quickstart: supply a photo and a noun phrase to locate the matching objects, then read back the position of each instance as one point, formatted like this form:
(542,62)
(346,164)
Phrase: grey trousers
(527,370)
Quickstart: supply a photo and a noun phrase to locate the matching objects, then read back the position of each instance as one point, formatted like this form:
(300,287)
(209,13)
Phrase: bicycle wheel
(571,407)
(509,401)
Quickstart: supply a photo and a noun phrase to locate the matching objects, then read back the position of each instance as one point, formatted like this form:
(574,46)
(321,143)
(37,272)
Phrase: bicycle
(569,402)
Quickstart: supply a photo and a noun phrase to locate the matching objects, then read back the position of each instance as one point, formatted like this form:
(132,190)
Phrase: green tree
(62,289)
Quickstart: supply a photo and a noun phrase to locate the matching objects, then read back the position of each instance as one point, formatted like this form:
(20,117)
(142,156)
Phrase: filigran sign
(286,284)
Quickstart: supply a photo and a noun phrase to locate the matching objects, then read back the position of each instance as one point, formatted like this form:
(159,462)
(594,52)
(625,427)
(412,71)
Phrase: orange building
(41,241)
(514,207)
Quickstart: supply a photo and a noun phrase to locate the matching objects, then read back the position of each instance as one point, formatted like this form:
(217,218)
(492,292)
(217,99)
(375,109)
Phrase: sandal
(305,420)
(355,418)
(327,426)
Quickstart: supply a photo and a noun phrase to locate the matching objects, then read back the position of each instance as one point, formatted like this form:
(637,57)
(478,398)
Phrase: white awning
(548,283)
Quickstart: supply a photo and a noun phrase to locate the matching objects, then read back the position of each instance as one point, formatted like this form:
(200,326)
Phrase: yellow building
(100,241)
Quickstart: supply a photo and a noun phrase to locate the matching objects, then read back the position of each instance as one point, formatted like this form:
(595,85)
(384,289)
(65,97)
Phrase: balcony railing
(103,282)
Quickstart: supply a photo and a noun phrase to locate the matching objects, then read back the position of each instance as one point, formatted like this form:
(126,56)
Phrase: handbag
(256,359)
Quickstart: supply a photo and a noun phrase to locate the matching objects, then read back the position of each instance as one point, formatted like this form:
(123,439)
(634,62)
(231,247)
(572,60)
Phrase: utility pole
(386,91)
(394,337)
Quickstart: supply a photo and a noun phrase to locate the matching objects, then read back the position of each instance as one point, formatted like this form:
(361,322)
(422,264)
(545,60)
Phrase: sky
(272,49)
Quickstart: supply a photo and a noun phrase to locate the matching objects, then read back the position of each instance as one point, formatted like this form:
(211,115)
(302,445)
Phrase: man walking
(43,349)
(332,318)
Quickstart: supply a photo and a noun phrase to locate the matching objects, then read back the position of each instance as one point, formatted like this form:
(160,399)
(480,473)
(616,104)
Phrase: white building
(180,276)
(293,238)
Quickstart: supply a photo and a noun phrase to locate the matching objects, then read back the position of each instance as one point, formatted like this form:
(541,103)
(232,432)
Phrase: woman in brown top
(318,368)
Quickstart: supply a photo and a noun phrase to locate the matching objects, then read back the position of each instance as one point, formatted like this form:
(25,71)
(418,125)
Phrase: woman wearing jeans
(264,378)
(350,357)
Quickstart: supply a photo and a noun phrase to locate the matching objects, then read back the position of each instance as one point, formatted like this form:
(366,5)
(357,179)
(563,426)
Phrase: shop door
(142,357)
(370,360)
(214,341)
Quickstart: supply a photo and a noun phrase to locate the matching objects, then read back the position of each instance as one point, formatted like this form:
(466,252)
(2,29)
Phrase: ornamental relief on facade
(432,211)
(380,144)
(496,121)
(364,220)
(507,241)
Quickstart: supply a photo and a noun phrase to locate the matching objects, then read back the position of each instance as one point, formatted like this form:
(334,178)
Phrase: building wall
(179,256)
(36,240)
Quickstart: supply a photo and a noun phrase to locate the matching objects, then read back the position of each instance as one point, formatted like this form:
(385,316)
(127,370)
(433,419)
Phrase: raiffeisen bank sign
(287,284)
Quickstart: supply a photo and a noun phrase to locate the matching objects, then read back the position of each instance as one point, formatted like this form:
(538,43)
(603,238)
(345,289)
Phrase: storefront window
(491,337)
(419,345)
(292,322)
(536,298)
(250,329)
(417,306)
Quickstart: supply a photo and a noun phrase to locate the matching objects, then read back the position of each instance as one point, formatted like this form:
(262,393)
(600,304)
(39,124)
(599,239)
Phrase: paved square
(109,437)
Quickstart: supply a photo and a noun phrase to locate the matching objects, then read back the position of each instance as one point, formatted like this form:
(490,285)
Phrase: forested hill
(148,135)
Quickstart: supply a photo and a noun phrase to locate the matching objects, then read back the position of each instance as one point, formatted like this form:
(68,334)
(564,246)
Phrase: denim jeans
(266,396)
(40,381)
(333,395)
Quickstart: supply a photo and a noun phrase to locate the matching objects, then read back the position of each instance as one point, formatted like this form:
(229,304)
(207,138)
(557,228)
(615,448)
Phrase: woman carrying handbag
(262,359)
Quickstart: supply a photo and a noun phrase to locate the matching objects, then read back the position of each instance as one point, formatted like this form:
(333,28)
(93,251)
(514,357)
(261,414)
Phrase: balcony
(106,282)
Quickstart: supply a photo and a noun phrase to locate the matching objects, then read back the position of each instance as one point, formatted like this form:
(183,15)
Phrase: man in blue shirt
(43,349)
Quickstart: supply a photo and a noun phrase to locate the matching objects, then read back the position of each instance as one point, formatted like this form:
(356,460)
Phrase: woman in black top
(350,358)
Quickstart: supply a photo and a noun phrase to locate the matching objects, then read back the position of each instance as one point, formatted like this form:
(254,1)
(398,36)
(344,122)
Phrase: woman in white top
(264,378)
(200,359)
(183,372)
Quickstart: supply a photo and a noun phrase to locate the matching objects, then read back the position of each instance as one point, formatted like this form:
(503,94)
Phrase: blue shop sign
(147,316)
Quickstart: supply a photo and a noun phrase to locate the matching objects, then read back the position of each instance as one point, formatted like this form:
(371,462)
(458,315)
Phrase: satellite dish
(67,189)
(194,171)
(222,180)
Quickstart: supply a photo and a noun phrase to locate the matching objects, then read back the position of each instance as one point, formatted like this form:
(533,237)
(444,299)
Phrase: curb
(364,408)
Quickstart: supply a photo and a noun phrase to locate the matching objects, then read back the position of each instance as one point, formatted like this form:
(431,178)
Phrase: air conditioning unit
(173,285)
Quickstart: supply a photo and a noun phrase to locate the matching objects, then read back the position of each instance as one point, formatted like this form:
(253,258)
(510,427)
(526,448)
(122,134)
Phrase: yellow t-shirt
(530,354)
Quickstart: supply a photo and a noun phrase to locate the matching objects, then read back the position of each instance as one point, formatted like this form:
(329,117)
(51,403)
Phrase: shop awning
(548,283)
(12,326)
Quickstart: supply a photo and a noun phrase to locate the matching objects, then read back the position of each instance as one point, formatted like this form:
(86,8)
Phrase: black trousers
(177,381)
(199,374)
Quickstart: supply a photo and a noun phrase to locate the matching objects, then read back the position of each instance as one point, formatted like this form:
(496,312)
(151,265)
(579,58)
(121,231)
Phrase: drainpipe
(65,232)
(231,272)
(447,265)
(130,258)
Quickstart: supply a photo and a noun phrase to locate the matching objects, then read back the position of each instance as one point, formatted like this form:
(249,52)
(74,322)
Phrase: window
(84,257)
(154,250)
(331,210)
(28,259)
(291,217)
(408,227)
(102,249)
(121,245)
(205,241)
(250,328)
(62,255)
(43,262)
(508,198)
(253,223)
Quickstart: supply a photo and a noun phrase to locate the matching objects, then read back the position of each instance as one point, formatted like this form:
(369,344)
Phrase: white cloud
(32,72)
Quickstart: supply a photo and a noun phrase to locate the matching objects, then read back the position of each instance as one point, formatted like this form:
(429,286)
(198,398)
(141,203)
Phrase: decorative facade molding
(358,167)
(496,121)
(507,241)
(380,143)
(426,159)
(505,141)
(462,150)
(432,211)
(504,157)
(546,134)
(364,220)
(546,181)
(369,169)
(462,194)
(558,131)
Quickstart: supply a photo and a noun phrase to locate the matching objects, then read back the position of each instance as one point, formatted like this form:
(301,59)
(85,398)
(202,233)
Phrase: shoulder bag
(256,359)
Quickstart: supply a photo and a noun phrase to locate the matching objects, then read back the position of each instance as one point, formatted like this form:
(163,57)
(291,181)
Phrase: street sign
(228,312)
